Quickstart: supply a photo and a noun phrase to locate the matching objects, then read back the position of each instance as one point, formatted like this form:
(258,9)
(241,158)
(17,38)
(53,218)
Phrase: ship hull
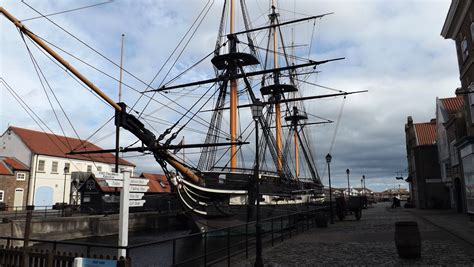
(231,201)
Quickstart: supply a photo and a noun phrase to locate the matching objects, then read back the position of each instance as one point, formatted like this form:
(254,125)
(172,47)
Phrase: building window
(41,164)
(54,167)
(99,168)
(2,193)
(67,167)
(89,168)
(464,50)
(21,176)
(472,31)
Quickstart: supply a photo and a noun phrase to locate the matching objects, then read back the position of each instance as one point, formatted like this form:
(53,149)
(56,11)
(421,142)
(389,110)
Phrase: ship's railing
(226,170)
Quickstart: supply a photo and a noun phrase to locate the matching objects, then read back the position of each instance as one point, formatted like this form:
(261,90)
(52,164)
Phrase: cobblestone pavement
(368,242)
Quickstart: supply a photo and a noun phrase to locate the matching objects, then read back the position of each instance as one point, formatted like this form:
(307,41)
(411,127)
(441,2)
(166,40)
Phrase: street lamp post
(348,185)
(257,112)
(328,160)
(365,196)
(363,178)
(66,170)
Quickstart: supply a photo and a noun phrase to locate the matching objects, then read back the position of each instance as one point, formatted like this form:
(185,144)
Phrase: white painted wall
(12,146)
(42,181)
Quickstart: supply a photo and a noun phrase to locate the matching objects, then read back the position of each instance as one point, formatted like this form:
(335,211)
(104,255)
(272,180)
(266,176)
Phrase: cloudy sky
(393,49)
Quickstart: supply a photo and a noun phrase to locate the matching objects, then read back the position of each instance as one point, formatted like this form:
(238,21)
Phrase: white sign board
(114,183)
(86,262)
(108,175)
(138,188)
(136,202)
(138,181)
(136,195)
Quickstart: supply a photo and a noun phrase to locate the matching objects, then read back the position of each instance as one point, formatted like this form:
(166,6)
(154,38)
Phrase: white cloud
(392,48)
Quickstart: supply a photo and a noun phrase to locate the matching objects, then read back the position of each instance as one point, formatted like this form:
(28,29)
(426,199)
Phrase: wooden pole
(233,98)
(26,239)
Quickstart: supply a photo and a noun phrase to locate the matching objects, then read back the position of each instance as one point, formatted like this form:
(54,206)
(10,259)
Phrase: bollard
(408,240)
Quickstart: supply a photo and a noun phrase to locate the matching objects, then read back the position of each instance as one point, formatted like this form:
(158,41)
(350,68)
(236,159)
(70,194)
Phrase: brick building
(459,26)
(14,177)
(424,174)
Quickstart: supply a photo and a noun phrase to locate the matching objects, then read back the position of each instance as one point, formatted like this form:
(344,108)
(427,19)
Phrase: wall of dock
(62,228)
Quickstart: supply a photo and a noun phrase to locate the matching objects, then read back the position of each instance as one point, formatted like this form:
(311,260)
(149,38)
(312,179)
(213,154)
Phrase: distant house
(157,182)
(424,174)
(50,166)
(97,196)
(14,177)
(450,129)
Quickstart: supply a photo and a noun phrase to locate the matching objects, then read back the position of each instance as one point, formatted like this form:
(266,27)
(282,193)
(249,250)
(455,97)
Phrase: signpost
(133,190)
(123,217)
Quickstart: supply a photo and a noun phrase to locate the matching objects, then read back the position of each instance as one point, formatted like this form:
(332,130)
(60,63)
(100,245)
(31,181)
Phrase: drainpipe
(34,181)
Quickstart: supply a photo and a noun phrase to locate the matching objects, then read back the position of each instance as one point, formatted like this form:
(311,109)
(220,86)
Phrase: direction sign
(136,203)
(109,175)
(136,195)
(138,181)
(114,183)
(87,262)
(138,188)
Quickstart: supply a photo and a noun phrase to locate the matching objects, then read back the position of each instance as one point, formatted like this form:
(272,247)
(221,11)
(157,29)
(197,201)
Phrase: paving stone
(368,242)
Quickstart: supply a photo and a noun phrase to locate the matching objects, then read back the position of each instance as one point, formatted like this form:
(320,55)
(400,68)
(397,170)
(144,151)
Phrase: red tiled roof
(425,133)
(157,182)
(4,170)
(57,146)
(16,164)
(453,104)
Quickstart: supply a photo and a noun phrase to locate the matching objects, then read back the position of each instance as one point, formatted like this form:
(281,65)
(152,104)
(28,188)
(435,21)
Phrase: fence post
(205,249)
(174,252)
(228,246)
(246,241)
(272,232)
(281,228)
(50,259)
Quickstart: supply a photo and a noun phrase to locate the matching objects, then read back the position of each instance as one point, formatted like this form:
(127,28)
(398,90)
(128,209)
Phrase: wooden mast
(277,105)
(233,99)
(183,169)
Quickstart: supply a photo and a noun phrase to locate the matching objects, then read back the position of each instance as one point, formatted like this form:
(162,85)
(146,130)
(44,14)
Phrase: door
(18,200)
(44,197)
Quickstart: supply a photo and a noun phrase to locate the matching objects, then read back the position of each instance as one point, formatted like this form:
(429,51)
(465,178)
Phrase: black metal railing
(200,249)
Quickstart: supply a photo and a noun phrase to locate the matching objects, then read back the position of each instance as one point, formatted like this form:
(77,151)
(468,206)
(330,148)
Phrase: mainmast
(278,134)
(233,95)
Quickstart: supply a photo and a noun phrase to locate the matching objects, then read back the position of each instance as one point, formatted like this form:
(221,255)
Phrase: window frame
(39,164)
(21,179)
(68,166)
(2,196)
(89,168)
(54,166)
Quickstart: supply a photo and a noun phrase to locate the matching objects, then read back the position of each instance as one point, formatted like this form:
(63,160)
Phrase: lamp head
(328,158)
(257,109)
(348,171)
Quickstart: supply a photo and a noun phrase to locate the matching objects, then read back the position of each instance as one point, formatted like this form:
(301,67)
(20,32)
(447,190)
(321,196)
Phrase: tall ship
(256,89)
